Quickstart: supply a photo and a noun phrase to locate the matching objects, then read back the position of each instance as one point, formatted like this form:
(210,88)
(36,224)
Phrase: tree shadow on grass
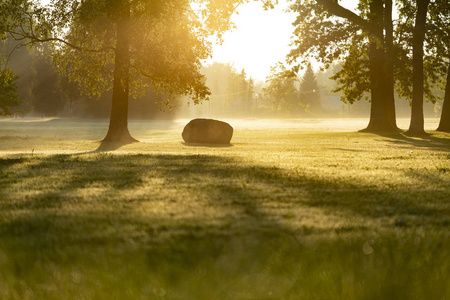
(426,141)
(246,248)
(60,181)
(207,145)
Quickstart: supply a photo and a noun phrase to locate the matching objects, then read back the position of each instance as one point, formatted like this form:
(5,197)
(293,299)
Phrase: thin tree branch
(20,36)
(334,8)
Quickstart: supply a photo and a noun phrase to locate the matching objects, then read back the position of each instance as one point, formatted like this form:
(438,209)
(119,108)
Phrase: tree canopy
(125,45)
(375,62)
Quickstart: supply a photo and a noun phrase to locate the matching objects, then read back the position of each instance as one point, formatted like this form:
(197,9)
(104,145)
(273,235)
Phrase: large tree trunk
(417,120)
(389,49)
(382,110)
(118,123)
(444,123)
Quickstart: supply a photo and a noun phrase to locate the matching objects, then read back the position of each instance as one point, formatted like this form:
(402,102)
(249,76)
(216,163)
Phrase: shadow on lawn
(253,254)
(59,182)
(427,141)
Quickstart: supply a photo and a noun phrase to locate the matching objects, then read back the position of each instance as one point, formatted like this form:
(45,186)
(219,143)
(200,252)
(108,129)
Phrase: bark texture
(382,111)
(444,123)
(389,67)
(417,119)
(118,124)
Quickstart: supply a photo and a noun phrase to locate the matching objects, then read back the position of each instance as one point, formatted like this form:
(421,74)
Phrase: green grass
(292,210)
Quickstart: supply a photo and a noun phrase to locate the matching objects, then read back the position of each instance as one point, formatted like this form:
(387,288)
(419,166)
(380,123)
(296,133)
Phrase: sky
(260,40)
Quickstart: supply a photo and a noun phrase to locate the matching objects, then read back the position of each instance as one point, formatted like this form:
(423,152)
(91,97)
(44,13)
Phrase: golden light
(260,40)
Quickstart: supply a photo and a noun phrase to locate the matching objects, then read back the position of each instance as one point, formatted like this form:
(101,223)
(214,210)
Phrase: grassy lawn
(295,209)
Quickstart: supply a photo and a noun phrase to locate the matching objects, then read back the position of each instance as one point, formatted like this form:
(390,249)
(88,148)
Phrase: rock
(207,131)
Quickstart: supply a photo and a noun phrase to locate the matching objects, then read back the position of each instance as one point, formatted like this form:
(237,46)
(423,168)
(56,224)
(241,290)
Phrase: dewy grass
(284,213)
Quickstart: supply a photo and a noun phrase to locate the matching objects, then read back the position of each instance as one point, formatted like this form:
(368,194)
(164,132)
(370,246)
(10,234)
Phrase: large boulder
(207,131)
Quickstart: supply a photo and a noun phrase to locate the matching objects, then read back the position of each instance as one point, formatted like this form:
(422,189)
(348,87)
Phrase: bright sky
(260,40)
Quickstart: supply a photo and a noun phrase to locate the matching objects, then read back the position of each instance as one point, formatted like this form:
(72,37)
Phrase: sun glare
(260,40)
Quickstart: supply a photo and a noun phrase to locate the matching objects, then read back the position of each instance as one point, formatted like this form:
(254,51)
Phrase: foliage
(166,42)
(8,91)
(319,35)
(283,93)
(231,91)
(436,54)
(310,91)
(322,36)
(353,79)
(47,97)
(167,39)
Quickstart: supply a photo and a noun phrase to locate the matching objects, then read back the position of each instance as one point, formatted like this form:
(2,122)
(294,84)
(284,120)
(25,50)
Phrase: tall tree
(363,40)
(429,60)
(417,119)
(438,42)
(444,123)
(127,45)
(309,91)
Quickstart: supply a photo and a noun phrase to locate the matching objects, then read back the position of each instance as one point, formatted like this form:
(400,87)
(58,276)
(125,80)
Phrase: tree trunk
(444,123)
(389,49)
(382,110)
(118,123)
(417,120)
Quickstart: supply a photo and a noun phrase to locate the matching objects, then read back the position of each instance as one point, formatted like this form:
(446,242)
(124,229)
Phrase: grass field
(294,209)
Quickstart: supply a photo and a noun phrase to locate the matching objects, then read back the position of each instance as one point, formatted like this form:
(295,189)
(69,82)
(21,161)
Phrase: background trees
(283,93)
(310,91)
(8,91)
(46,95)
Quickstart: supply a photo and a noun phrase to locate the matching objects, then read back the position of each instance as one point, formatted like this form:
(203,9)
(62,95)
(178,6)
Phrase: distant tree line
(234,94)
(41,90)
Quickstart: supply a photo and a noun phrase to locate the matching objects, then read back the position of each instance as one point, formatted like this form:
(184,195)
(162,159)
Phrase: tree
(8,91)
(126,46)
(309,91)
(444,123)
(283,93)
(8,80)
(365,44)
(238,91)
(417,118)
(249,96)
(423,40)
(438,42)
(46,96)
(231,91)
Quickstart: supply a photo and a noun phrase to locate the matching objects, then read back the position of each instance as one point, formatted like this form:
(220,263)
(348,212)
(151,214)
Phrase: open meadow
(293,209)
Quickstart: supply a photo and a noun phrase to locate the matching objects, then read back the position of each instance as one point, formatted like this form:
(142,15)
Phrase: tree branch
(20,36)
(334,8)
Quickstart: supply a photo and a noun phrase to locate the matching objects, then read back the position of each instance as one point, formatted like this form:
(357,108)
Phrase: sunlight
(260,40)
